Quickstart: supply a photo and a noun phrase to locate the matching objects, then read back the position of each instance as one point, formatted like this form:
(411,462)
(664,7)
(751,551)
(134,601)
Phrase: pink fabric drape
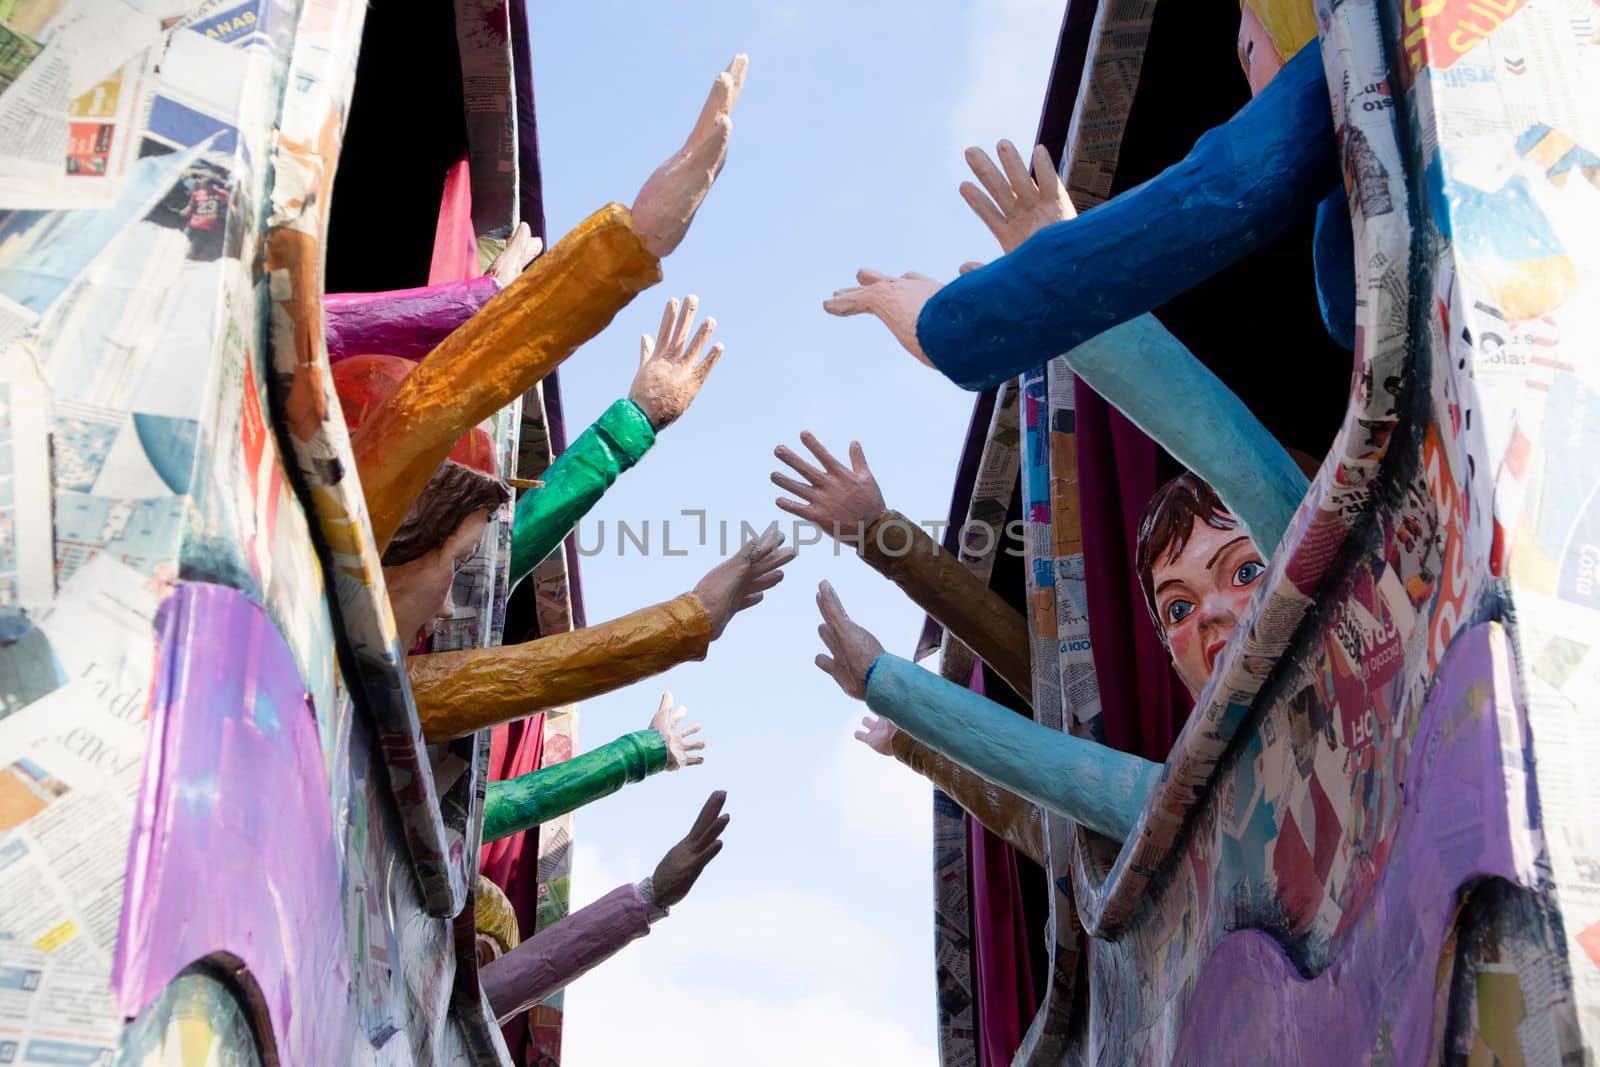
(455,243)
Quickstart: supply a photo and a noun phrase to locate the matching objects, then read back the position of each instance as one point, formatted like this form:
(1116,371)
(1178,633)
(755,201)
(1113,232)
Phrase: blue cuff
(867,681)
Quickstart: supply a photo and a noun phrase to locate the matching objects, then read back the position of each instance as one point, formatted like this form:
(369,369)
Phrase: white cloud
(749,974)
(735,979)
(876,797)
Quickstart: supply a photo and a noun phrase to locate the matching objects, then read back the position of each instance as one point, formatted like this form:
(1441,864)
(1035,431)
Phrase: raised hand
(668,722)
(675,875)
(740,581)
(669,378)
(837,498)
(895,301)
(851,649)
(877,734)
(522,247)
(669,198)
(1018,204)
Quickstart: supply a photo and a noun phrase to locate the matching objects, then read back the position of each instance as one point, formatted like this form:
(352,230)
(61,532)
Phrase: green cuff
(629,429)
(517,804)
(575,482)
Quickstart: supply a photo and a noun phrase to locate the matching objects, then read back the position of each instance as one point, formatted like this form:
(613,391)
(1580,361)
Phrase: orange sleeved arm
(459,693)
(1017,821)
(567,296)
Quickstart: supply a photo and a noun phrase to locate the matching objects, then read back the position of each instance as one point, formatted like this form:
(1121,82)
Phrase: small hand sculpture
(895,301)
(669,198)
(1019,204)
(668,723)
(740,581)
(878,734)
(675,875)
(851,648)
(669,378)
(522,248)
(837,498)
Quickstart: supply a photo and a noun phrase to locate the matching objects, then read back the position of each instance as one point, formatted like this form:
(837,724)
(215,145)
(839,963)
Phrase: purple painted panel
(233,849)
(1459,822)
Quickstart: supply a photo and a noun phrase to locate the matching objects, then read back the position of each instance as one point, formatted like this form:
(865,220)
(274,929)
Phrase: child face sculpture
(1199,570)
(419,590)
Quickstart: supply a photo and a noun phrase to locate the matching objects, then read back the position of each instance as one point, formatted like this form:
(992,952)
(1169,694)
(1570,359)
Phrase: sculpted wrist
(647,892)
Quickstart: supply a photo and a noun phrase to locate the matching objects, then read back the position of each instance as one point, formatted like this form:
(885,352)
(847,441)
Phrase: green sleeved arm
(575,482)
(1089,783)
(520,803)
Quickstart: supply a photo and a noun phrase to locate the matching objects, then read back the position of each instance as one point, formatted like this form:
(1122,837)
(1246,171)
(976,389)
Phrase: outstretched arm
(1091,784)
(458,693)
(1147,374)
(521,803)
(588,937)
(1016,821)
(847,504)
(411,322)
(1242,185)
(1138,366)
(669,378)
(566,297)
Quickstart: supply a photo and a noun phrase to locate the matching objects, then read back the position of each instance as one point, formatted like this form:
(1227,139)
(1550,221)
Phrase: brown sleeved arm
(459,693)
(1016,821)
(939,584)
(567,296)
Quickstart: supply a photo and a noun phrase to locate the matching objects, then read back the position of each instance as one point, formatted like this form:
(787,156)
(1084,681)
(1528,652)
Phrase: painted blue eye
(1177,611)
(1248,572)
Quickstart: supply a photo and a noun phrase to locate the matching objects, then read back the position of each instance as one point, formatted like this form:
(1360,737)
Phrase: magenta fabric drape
(1003,971)
(1119,469)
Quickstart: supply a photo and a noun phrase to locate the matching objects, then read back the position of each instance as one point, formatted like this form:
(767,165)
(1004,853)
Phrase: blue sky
(810,938)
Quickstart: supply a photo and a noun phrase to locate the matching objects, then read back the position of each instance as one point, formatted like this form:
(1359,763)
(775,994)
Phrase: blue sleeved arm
(1091,784)
(1242,185)
(1148,375)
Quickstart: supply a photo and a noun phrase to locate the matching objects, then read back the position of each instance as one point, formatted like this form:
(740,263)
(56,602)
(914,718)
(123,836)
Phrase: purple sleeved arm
(402,322)
(555,956)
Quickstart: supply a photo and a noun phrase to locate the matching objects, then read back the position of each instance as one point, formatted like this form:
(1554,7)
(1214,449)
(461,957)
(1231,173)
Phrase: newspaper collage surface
(1385,730)
(158,153)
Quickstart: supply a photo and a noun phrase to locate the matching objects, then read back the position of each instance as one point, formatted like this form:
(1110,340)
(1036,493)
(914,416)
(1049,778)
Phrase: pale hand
(668,722)
(522,247)
(851,649)
(740,581)
(669,198)
(895,301)
(669,376)
(839,499)
(877,734)
(675,875)
(1018,204)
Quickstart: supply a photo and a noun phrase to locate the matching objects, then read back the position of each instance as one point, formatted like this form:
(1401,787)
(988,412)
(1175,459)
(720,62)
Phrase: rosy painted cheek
(1185,645)
(1238,598)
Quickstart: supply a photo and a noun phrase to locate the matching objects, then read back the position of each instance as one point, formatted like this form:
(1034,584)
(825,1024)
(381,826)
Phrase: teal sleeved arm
(575,482)
(520,803)
(1148,375)
(1089,783)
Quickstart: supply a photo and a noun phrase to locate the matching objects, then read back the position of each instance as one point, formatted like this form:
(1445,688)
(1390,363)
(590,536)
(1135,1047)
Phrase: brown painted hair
(453,493)
(1165,525)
